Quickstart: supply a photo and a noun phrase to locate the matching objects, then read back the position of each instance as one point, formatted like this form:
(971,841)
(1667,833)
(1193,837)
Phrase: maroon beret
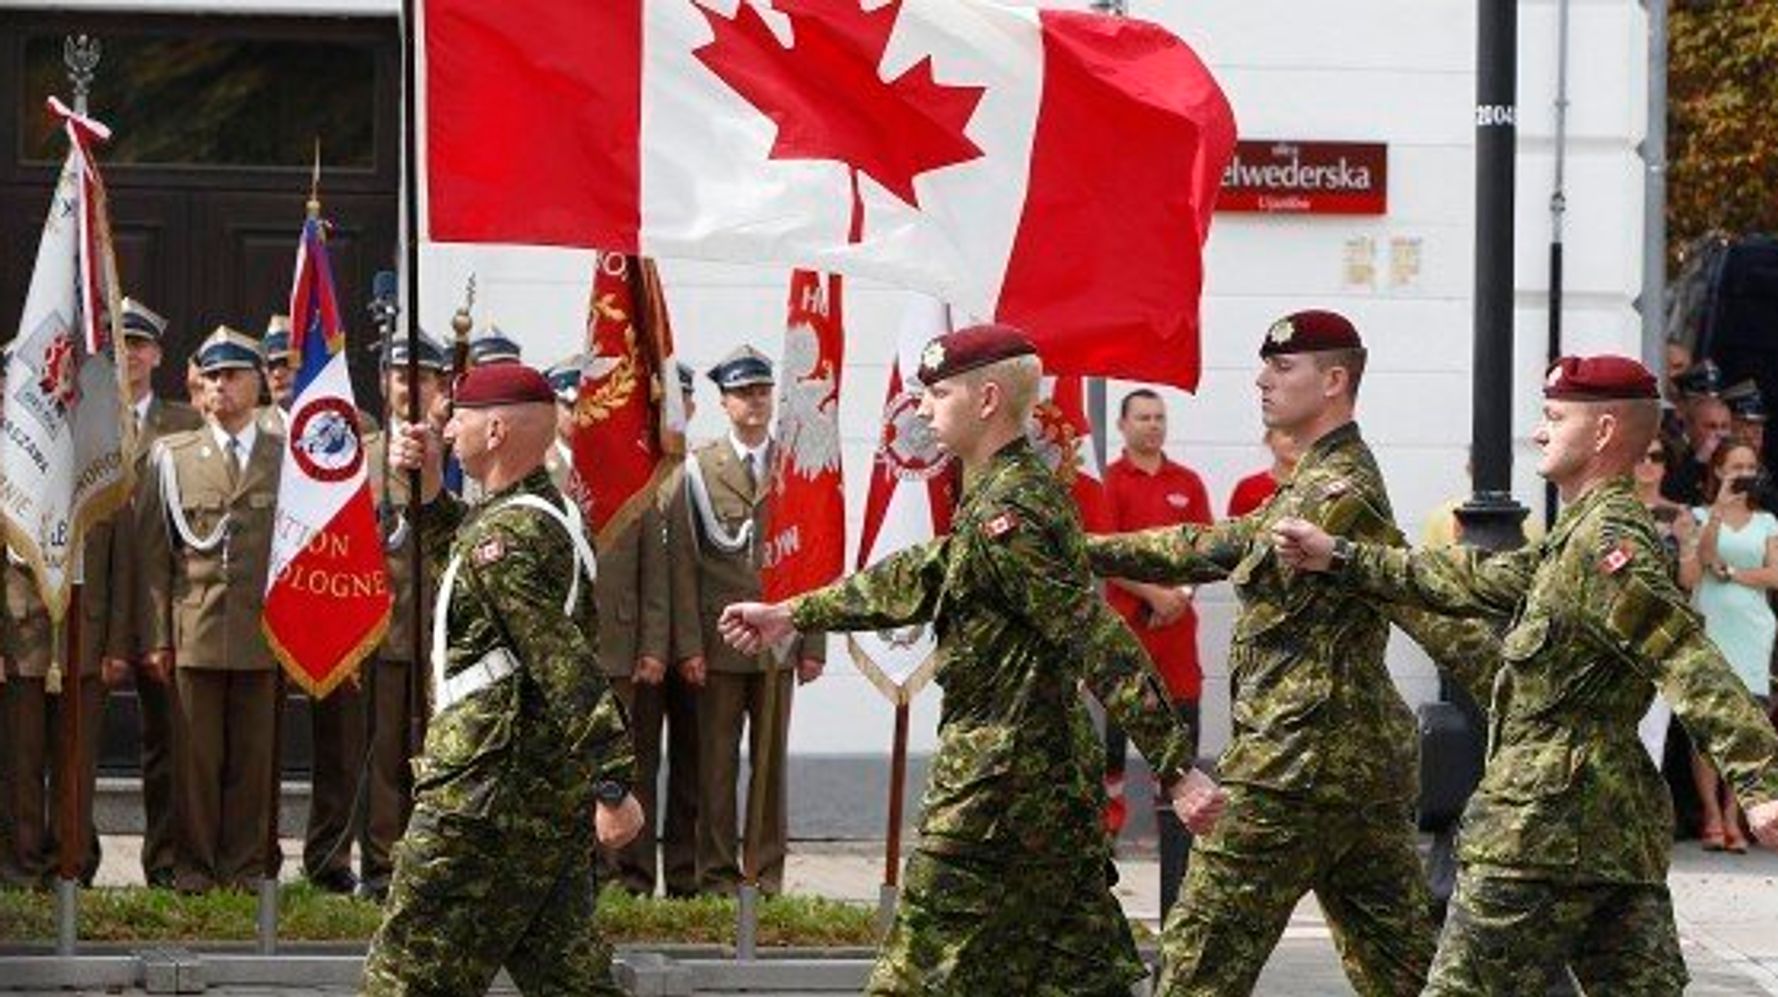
(966,349)
(488,385)
(1311,331)
(1603,378)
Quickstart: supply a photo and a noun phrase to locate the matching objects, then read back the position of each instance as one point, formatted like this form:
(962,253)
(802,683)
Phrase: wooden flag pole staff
(898,775)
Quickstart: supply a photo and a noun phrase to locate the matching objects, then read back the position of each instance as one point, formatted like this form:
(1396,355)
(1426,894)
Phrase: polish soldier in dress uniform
(280,379)
(155,417)
(206,545)
(1567,840)
(396,694)
(718,560)
(493,346)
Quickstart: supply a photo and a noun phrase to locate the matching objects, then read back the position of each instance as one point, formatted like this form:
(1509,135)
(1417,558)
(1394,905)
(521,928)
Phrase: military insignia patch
(1000,525)
(1615,559)
(932,356)
(1281,332)
(1336,488)
(489,551)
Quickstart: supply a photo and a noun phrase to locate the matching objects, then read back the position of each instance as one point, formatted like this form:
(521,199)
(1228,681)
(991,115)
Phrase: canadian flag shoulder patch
(489,551)
(1000,525)
(1615,559)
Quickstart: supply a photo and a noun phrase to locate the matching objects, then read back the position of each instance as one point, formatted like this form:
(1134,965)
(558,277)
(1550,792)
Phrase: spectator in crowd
(1732,566)
(1747,415)
(1707,425)
(1674,524)
(1145,489)
(716,563)
(1254,490)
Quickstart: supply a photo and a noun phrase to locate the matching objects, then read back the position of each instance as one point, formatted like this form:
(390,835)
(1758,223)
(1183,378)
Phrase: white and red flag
(1052,169)
(327,597)
(63,415)
(629,416)
(913,490)
(806,507)
(1063,436)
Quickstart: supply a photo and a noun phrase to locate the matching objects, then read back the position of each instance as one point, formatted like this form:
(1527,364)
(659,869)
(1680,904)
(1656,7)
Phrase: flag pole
(81,55)
(419,711)
(898,775)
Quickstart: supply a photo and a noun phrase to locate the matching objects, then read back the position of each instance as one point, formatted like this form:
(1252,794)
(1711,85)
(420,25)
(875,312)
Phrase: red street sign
(1272,176)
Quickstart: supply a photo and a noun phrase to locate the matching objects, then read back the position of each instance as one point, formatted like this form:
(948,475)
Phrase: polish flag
(806,547)
(913,490)
(1063,435)
(327,597)
(1055,170)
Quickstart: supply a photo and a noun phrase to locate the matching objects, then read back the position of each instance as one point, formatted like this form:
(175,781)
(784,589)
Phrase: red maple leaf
(830,101)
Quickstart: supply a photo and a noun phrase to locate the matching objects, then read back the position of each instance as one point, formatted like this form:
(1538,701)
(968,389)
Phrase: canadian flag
(806,508)
(327,597)
(913,490)
(1055,170)
(1063,436)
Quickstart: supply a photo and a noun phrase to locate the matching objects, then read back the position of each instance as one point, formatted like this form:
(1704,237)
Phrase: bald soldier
(1565,845)
(1009,889)
(1320,767)
(528,755)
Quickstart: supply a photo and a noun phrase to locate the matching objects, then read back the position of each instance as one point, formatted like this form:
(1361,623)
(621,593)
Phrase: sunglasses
(1656,456)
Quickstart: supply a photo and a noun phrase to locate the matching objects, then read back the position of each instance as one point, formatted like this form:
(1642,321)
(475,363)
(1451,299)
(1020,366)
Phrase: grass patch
(137,914)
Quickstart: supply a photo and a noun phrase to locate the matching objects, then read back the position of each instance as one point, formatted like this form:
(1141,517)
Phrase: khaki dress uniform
(705,580)
(154,700)
(33,716)
(205,604)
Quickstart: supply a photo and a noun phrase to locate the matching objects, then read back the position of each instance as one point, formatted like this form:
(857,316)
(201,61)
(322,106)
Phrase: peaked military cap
(1701,380)
(743,368)
(969,348)
(503,384)
(141,322)
(1603,378)
(687,376)
(432,355)
(227,349)
(276,344)
(1745,402)
(564,378)
(493,346)
(1313,331)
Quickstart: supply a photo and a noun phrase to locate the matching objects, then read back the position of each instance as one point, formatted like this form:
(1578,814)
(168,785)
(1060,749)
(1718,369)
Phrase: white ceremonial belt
(495,666)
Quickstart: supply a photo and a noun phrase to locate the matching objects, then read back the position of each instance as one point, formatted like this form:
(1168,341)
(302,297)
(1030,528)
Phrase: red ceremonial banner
(806,509)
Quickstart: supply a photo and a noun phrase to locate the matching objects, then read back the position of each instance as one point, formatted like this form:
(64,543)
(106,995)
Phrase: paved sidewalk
(1727,907)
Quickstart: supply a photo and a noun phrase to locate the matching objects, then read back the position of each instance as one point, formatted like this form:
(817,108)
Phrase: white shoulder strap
(169,480)
(720,538)
(585,562)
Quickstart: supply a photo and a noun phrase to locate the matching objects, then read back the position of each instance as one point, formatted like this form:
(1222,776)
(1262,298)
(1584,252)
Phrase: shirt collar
(248,435)
(141,407)
(747,453)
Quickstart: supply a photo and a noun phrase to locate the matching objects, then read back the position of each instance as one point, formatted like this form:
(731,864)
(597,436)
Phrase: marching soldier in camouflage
(1565,844)
(1321,768)
(526,742)
(1009,890)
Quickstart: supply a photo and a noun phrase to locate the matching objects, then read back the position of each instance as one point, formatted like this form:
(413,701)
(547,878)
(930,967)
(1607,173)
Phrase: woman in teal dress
(1733,565)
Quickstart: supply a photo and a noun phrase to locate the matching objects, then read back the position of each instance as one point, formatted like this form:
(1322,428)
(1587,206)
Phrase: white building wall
(1368,70)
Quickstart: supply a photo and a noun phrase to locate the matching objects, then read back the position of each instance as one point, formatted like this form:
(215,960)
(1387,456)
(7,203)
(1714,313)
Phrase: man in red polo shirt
(1144,489)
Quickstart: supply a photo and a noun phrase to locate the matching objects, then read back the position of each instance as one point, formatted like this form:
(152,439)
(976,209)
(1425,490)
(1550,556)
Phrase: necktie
(750,463)
(234,462)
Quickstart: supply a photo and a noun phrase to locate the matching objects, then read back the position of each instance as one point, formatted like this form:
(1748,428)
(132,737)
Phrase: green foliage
(310,915)
(1723,104)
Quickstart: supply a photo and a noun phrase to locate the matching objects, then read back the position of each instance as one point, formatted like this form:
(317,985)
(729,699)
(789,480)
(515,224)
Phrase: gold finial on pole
(461,323)
(314,204)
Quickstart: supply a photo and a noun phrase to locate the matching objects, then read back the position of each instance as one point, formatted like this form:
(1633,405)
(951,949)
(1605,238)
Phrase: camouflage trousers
(1618,938)
(968,926)
(470,895)
(1246,877)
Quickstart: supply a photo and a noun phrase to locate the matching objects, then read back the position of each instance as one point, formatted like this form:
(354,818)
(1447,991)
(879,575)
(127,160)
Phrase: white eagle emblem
(808,411)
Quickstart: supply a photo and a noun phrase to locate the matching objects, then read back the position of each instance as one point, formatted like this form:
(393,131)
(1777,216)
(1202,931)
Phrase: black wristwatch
(1341,556)
(610,792)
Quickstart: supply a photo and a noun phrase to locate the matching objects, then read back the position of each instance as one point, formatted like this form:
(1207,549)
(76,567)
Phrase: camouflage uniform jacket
(1017,773)
(1597,625)
(538,742)
(1314,710)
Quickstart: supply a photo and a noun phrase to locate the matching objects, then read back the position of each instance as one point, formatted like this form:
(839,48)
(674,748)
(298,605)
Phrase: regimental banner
(62,429)
(1273,176)
(806,507)
(327,599)
(1063,436)
(913,492)
(629,416)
